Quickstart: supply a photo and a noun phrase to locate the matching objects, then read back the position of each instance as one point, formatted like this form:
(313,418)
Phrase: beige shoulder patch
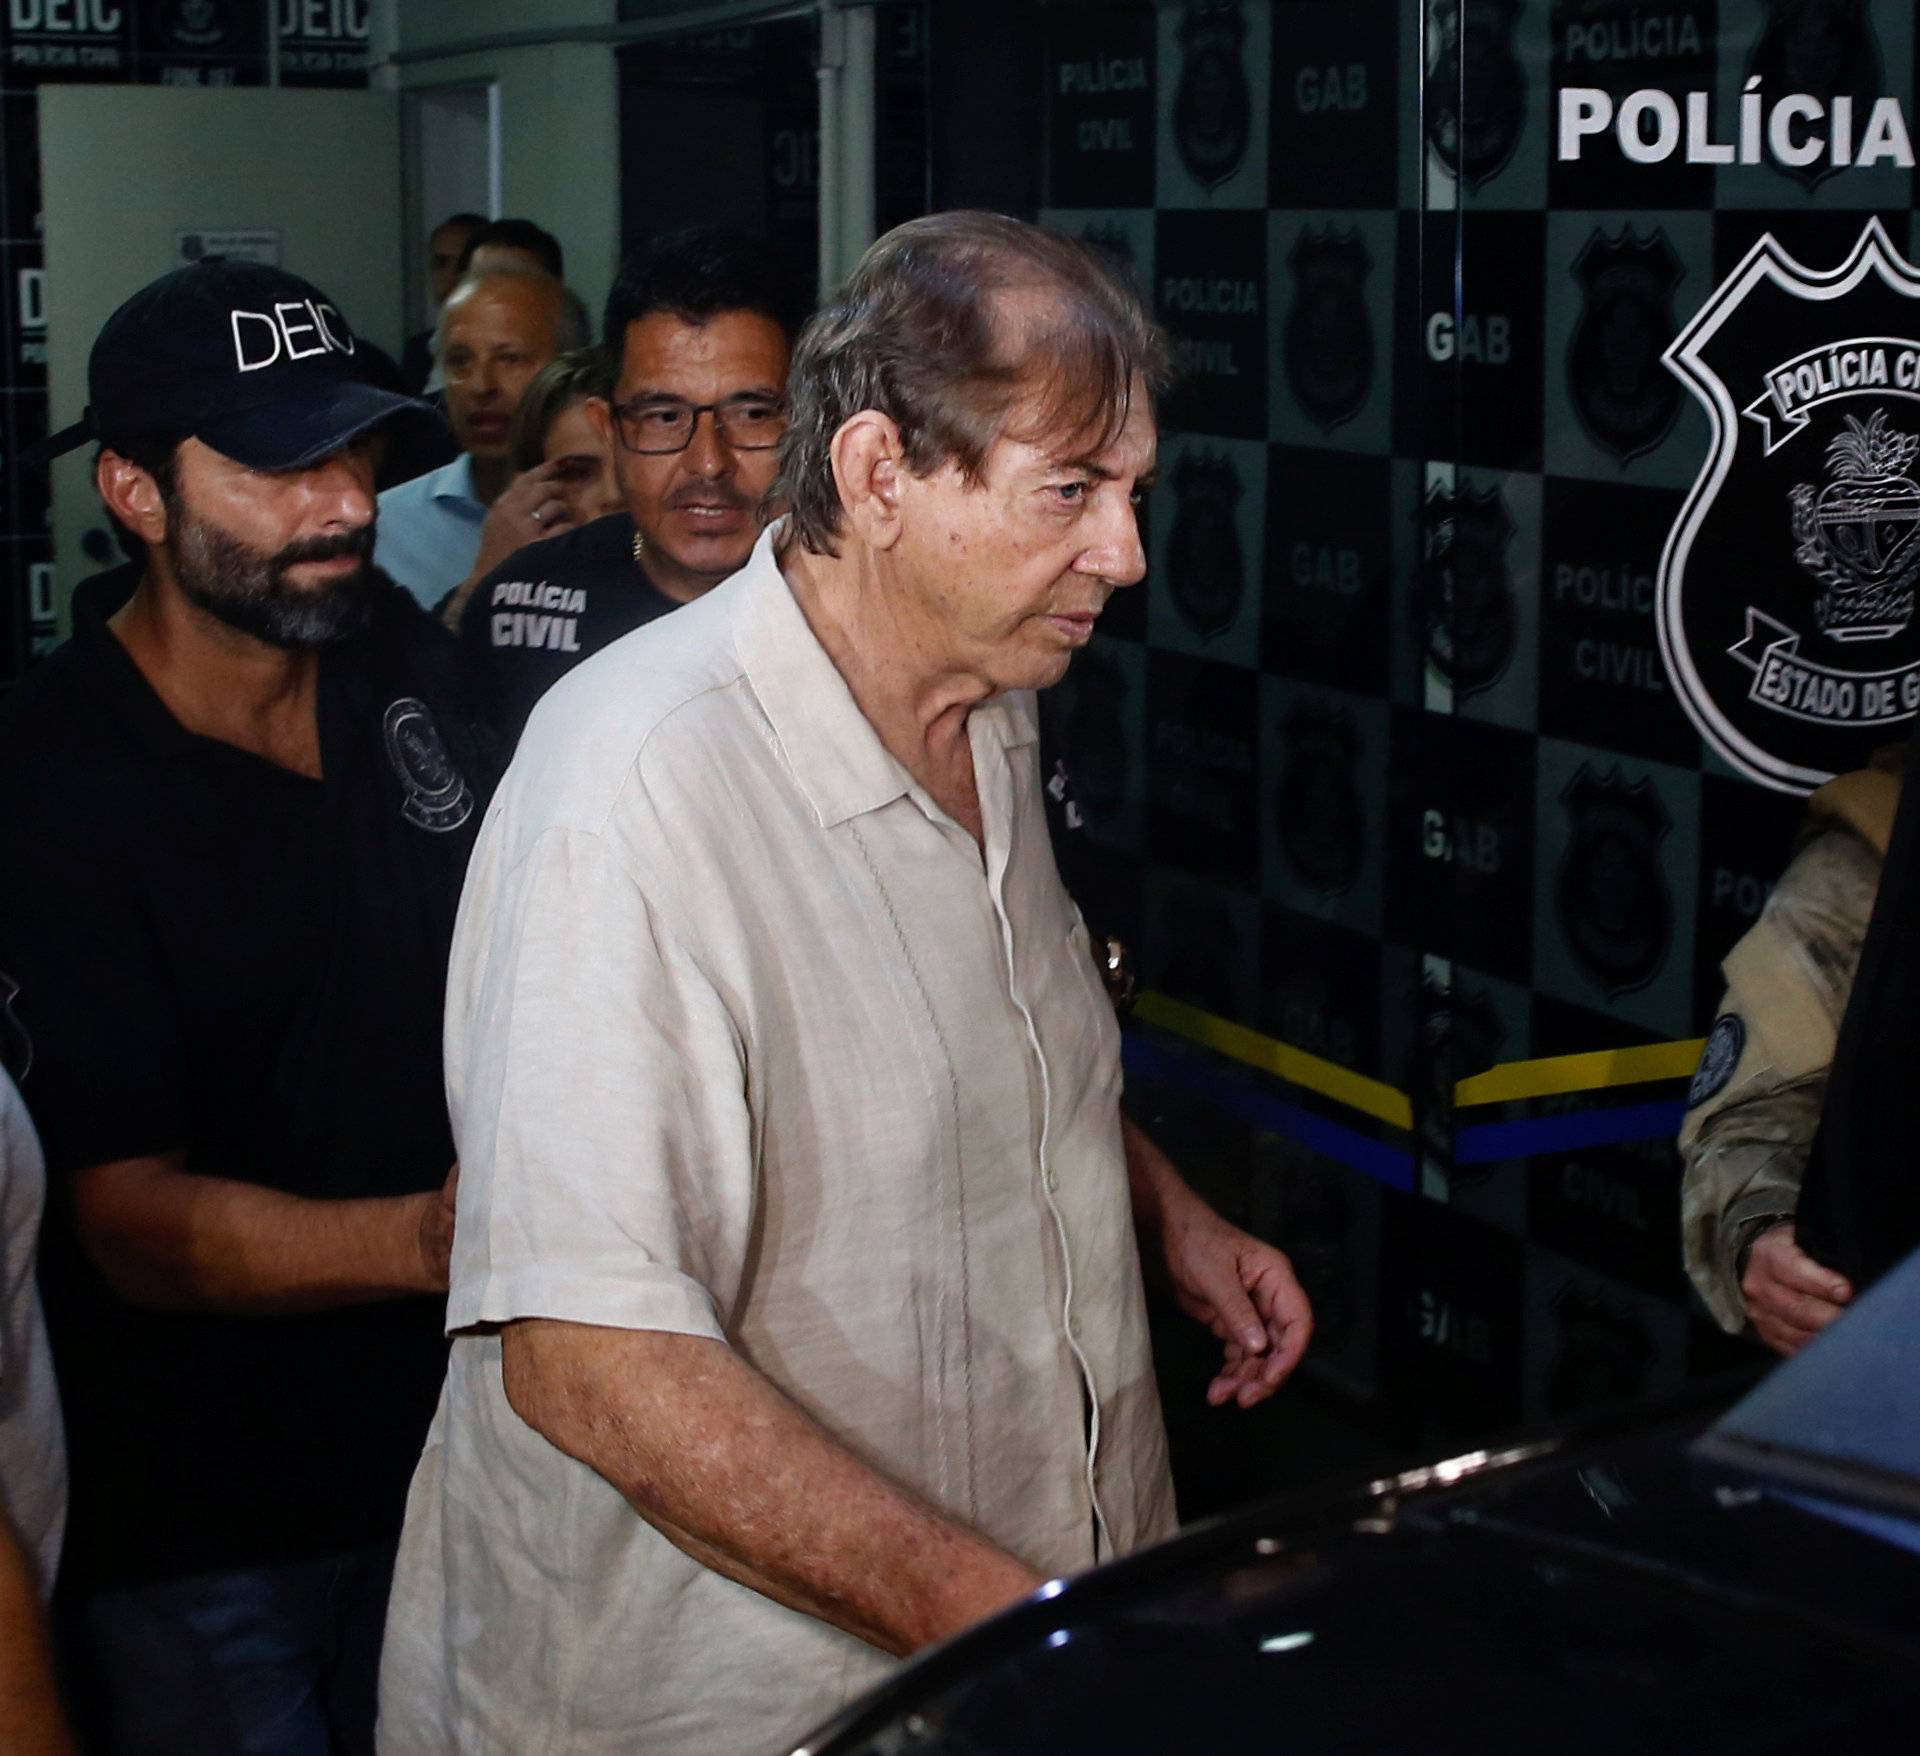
(1768,986)
(1865,802)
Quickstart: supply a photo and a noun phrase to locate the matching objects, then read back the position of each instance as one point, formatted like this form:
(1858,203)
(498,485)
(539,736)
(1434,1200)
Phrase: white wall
(559,116)
(320,167)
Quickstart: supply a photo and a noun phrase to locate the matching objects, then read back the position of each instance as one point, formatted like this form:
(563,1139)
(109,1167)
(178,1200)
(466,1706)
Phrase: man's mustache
(715,494)
(357,543)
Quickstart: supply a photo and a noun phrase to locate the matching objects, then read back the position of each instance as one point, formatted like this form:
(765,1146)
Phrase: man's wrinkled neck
(893,658)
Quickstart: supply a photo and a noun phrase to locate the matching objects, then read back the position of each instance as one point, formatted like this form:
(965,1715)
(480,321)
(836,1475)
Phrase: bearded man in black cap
(238,805)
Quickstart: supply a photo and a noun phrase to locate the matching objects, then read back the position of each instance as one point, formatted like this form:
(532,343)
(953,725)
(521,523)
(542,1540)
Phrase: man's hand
(1790,1297)
(1245,1292)
(435,1231)
(535,504)
(1241,1289)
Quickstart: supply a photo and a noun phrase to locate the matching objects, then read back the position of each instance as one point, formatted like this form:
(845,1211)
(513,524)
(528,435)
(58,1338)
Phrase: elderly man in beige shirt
(796,1303)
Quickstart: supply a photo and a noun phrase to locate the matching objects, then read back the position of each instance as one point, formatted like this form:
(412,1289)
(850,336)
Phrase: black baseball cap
(251,360)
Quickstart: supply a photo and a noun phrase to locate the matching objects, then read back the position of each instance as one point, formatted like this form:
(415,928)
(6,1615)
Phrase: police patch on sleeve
(1726,1042)
(437,795)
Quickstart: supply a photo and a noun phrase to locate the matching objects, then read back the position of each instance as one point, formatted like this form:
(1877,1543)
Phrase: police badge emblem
(1726,1043)
(1475,94)
(1611,893)
(1624,397)
(1786,590)
(1463,593)
(1328,342)
(1317,807)
(1857,534)
(1825,49)
(1206,568)
(437,795)
(197,24)
(1212,106)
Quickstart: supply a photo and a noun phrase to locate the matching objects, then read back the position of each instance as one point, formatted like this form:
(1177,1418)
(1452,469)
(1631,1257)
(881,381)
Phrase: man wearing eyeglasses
(702,324)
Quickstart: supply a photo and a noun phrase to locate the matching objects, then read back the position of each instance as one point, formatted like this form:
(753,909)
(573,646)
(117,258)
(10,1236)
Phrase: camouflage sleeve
(1756,1099)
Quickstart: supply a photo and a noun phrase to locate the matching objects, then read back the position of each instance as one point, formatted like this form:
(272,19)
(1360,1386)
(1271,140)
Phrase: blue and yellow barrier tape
(1601,1070)
(1597,1070)
(1390,1164)
(1327,1079)
(1486,1143)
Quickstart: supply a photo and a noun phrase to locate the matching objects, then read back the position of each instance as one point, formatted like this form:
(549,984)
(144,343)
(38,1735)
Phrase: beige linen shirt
(745,1040)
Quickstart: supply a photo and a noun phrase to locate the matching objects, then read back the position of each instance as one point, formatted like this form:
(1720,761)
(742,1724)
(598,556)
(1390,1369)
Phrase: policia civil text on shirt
(549,605)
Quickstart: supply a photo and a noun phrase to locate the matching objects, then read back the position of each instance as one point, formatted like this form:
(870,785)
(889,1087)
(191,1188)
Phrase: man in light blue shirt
(497,329)
(428,532)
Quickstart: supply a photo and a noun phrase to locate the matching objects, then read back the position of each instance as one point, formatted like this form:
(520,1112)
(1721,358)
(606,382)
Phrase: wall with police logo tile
(201,43)
(1539,520)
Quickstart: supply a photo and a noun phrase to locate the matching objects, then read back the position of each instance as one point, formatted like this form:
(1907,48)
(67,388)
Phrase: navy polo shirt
(209,954)
(552,604)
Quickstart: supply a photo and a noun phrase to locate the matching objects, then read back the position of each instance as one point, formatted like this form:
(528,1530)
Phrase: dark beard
(250,591)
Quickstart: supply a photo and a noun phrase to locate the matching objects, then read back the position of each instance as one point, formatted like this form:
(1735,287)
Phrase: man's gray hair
(575,328)
(949,325)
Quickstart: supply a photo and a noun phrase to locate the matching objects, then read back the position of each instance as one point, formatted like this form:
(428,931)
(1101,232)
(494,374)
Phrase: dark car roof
(1572,1596)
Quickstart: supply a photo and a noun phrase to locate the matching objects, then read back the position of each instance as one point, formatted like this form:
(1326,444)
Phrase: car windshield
(1839,1420)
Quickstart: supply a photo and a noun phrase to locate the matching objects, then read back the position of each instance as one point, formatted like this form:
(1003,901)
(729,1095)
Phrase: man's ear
(869,466)
(132,496)
(600,418)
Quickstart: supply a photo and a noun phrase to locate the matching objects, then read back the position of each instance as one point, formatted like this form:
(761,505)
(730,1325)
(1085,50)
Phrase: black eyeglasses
(662,424)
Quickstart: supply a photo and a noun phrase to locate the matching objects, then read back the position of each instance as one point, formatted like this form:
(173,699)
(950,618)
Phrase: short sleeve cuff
(76,1139)
(652,1297)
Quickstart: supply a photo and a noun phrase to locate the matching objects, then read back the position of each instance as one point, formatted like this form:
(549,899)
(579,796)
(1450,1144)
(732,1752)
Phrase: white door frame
(416,103)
